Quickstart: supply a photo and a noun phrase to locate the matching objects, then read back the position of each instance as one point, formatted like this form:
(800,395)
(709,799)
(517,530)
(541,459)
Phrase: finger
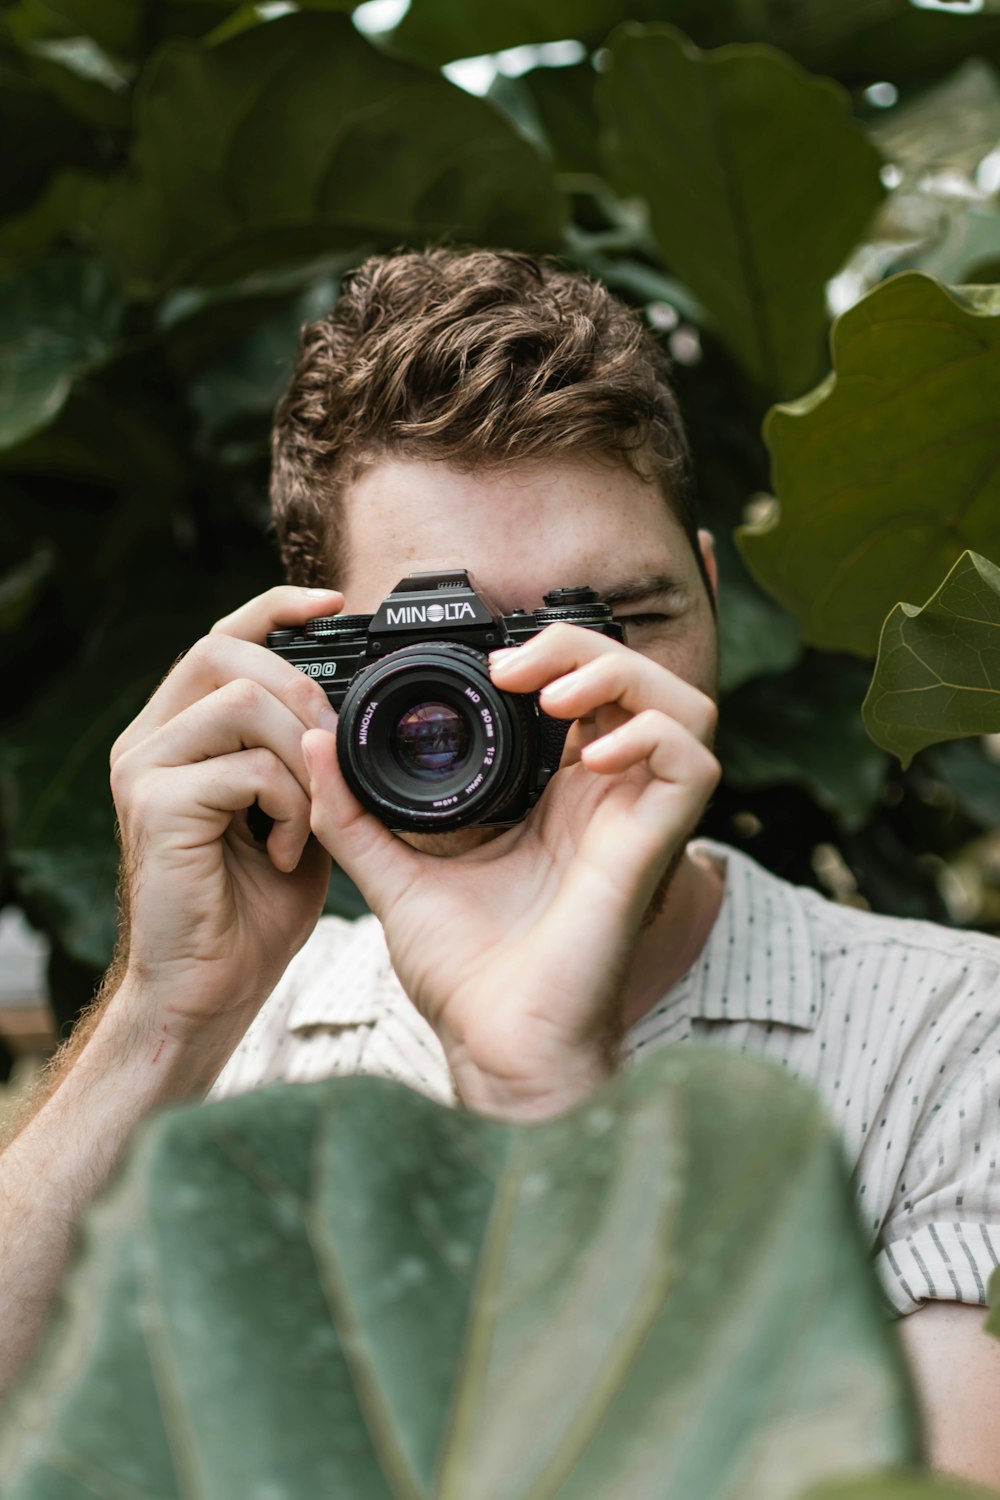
(586,729)
(240,715)
(382,867)
(579,670)
(640,825)
(189,806)
(284,605)
(210,664)
(656,741)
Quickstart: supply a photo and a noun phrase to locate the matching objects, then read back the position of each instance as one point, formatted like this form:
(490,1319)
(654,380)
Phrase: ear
(706,543)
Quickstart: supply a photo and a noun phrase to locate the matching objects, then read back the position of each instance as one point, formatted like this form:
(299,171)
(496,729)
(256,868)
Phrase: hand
(212,918)
(517,951)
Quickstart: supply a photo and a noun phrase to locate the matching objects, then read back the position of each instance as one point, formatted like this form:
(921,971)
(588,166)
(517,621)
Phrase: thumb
(381,865)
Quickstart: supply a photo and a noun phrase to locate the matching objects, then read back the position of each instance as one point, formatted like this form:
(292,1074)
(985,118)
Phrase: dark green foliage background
(184,184)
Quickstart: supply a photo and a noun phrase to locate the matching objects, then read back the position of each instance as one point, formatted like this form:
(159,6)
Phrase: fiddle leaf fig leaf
(890,1484)
(381,1295)
(992,1324)
(437,31)
(58,319)
(890,469)
(937,675)
(299,137)
(758,181)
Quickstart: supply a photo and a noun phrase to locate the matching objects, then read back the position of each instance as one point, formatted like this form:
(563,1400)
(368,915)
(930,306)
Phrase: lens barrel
(426,742)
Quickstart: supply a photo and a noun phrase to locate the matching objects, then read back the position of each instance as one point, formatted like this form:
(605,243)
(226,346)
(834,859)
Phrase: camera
(425,740)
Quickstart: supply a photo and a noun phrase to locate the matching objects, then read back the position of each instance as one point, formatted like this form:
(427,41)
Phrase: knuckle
(711,769)
(119,772)
(560,633)
(264,764)
(244,693)
(143,801)
(652,722)
(708,716)
(604,672)
(202,652)
(312,696)
(117,750)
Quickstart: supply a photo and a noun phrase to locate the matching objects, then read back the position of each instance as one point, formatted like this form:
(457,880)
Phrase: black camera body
(424,739)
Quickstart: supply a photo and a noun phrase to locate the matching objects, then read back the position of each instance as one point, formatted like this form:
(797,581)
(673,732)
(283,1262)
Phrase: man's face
(523,530)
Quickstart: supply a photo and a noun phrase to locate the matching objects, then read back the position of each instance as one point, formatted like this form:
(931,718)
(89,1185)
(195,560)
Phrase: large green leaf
(890,469)
(57,319)
(47,137)
(563,100)
(756,637)
(903,1484)
(663,1292)
(992,1324)
(436,31)
(63,212)
(971,776)
(758,182)
(122,28)
(804,729)
(240,387)
(859,40)
(937,675)
(299,136)
(55,801)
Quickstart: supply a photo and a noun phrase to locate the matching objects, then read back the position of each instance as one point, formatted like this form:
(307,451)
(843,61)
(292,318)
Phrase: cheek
(693,657)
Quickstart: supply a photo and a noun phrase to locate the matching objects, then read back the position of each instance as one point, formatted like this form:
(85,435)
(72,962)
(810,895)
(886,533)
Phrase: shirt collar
(343,975)
(759,962)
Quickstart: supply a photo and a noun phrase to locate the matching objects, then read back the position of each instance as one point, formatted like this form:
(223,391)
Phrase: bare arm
(64,1153)
(209,919)
(956,1367)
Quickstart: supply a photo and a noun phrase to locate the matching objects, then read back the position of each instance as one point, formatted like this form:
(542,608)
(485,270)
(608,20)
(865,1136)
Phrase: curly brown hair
(477,358)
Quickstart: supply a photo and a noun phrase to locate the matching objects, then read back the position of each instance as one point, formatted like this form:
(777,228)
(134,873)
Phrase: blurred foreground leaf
(937,676)
(355,1280)
(913,1484)
(992,1324)
(890,469)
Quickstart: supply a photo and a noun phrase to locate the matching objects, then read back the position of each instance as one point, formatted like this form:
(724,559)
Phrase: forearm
(64,1154)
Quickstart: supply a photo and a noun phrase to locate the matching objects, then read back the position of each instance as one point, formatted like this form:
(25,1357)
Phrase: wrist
(527,1100)
(176,1055)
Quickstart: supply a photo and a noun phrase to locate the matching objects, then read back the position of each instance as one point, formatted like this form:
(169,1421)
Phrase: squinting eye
(633,620)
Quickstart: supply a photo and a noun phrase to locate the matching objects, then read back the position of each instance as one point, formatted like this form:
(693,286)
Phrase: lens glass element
(431,741)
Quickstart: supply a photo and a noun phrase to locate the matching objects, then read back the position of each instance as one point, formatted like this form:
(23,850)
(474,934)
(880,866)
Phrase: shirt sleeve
(941,1238)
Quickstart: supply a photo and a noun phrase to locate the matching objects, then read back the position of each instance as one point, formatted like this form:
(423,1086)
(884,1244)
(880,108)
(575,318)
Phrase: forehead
(520,530)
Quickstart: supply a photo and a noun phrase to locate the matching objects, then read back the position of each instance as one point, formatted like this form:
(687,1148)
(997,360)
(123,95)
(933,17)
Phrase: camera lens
(426,741)
(431,741)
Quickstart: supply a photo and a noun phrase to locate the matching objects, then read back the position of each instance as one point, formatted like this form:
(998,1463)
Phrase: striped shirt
(895,1022)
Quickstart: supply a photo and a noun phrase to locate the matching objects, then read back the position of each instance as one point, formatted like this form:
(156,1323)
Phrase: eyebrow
(645,586)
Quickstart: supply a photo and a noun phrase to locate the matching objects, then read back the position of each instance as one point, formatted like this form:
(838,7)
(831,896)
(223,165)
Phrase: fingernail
(307,756)
(319,593)
(327,719)
(505,654)
(563,687)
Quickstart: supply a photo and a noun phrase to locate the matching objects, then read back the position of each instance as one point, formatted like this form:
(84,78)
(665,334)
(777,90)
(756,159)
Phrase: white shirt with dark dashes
(895,1022)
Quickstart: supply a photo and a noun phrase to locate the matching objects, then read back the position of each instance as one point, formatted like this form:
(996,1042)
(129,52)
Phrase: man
(484,411)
